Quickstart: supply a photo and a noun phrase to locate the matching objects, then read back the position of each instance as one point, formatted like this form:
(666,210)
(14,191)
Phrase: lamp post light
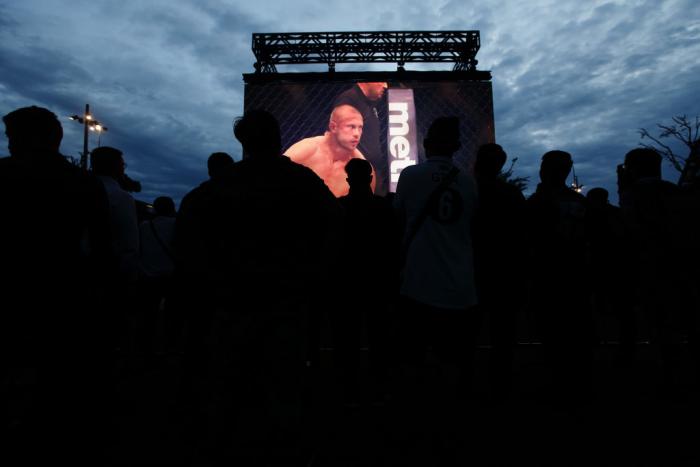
(89,124)
(98,128)
(576,186)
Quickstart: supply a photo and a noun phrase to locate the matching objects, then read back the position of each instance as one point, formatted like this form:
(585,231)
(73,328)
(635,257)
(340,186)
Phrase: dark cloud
(166,119)
(166,76)
(585,83)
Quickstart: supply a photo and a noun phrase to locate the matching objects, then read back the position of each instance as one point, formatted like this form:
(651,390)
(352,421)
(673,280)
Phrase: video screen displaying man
(303,107)
(328,154)
(365,97)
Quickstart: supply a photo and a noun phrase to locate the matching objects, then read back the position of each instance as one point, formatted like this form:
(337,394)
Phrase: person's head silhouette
(489,160)
(218,164)
(32,131)
(107,161)
(597,197)
(642,163)
(259,133)
(555,167)
(443,137)
(359,174)
(164,206)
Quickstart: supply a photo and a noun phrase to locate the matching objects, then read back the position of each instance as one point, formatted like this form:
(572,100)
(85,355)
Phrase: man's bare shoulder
(304,149)
(357,154)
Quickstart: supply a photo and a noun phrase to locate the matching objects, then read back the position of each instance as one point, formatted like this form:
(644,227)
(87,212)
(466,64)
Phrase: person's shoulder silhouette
(279,209)
(370,229)
(652,207)
(194,227)
(219,166)
(42,190)
(361,201)
(264,169)
(500,203)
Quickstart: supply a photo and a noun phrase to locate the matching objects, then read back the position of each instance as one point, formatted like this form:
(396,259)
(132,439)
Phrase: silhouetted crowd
(260,257)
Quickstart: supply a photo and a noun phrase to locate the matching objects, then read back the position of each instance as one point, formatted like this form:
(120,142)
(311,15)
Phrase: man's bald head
(343,112)
(345,126)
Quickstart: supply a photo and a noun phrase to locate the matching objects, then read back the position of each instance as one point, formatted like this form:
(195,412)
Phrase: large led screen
(325,123)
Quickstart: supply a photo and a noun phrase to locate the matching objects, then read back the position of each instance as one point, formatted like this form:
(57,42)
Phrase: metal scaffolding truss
(400,47)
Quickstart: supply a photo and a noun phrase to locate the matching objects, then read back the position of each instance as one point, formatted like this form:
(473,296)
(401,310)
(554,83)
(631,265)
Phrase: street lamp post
(84,155)
(89,123)
(576,186)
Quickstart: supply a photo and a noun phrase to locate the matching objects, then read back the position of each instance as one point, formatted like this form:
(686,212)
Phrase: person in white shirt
(439,268)
(156,237)
(156,240)
(435,202)
(120,288)
(108,164)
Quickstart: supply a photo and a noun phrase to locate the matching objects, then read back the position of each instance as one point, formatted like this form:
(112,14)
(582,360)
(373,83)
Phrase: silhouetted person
(652,210)
(690,189)
(271,229)
(192,208)
(192,243)
(499,260)
(610,267)
(156,237)
(156,264)
(191,304)
(369,275)
(108,164)
(54,243)
(435,201)
(559,295)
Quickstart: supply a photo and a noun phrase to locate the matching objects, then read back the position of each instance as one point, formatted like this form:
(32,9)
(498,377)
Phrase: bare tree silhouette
(507,176)
(684,130)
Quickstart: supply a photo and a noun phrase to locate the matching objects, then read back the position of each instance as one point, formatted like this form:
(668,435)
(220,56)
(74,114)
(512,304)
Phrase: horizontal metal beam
(368,76)
(459,47)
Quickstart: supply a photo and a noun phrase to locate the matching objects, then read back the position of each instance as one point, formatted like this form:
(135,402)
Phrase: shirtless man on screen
(327,155)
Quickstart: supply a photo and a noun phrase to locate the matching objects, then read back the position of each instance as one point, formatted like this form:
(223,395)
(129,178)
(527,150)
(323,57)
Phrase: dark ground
(629,420)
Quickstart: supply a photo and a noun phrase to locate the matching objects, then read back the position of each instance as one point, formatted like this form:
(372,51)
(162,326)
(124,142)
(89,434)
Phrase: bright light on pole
(576,186)
(89,123)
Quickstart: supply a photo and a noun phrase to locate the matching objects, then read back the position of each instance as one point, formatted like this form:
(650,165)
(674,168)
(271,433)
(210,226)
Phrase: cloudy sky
(165,76)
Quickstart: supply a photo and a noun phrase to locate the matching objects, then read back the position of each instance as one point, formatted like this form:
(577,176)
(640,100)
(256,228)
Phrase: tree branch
(683,122)
(665,151)
(682,130)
